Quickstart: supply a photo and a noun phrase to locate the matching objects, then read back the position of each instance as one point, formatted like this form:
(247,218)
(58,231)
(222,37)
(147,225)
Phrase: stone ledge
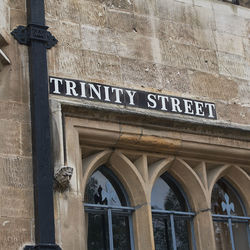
(157,120)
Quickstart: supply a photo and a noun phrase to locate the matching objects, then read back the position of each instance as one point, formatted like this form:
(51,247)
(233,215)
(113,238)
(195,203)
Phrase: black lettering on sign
(131,97)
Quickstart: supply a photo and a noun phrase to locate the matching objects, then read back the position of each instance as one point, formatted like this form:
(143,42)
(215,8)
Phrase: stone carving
(62,178)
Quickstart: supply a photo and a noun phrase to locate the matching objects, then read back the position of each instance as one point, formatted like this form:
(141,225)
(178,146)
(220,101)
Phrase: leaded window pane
(121,232)
(98,232)
(100,190)
(108,213)
(162,233)
(224,200)
(182,231)
(231,226)
(168,198)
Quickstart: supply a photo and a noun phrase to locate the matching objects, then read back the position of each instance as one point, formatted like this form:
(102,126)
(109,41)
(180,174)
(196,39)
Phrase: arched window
(231,225)
(172,219)
(108,213)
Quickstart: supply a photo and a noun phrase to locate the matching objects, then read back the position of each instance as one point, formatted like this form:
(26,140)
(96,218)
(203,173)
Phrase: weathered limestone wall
(16,184)
(198,49)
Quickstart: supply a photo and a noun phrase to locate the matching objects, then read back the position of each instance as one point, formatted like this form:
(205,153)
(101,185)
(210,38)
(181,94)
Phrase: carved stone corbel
(62,178)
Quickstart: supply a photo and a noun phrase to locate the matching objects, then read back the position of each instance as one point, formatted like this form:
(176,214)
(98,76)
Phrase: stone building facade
(190,49)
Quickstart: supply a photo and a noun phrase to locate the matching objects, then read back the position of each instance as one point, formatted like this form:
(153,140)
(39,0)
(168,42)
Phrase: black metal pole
(41,139)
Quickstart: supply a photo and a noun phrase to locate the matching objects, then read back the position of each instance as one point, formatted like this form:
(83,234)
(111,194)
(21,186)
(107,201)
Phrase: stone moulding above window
(115,130)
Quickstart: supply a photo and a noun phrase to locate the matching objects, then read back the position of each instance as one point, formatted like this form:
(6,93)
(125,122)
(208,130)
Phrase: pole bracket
(43,247)
(24,35)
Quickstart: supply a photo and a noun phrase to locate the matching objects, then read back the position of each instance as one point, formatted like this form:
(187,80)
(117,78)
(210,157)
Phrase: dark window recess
(172,219)
(108,213)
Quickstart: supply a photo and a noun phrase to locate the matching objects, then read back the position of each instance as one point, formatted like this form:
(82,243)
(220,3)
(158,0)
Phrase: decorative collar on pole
(34,32)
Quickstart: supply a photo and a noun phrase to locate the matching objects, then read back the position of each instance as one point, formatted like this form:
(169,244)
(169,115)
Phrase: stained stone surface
(187,48)
(16,182)
(197,49)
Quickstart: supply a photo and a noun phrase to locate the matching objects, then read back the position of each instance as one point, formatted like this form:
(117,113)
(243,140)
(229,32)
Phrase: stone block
(15,233)
(233,65)
(67,33)
(201,3)
(205,39)
(234,113)
(222,8)
(101,67)
(246,48)
(173,10)
(139,73)
(68,62)
(201,18)
(14,111)
(10,137)
(186,34)
(231,24)
(127,22)
(147,7)
(146,25)
(126,5)
(99,40)
(26,145)
(17,17)
(93,13)
(121,21)
(186,13)
(72,222)
(154,76)
(9,90)
(17,4)
(64,10)
(16,203)
(16,172)
(173,80)
(213,87)
(229,43)
(14,83)
(243,12)
(140,47)
(187,56)
(5,15)
(243,97)
(176,32)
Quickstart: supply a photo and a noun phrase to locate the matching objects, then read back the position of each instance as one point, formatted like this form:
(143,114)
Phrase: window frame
(172,214)
(111,209)
(229,219)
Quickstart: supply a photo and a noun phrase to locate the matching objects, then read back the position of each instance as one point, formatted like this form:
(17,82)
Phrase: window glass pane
(166,196)
(240,236)
(121,235)
(182,232)
(222,236)
(97,232)
(103,188)
(162,233)
(100,190)
(224,200)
